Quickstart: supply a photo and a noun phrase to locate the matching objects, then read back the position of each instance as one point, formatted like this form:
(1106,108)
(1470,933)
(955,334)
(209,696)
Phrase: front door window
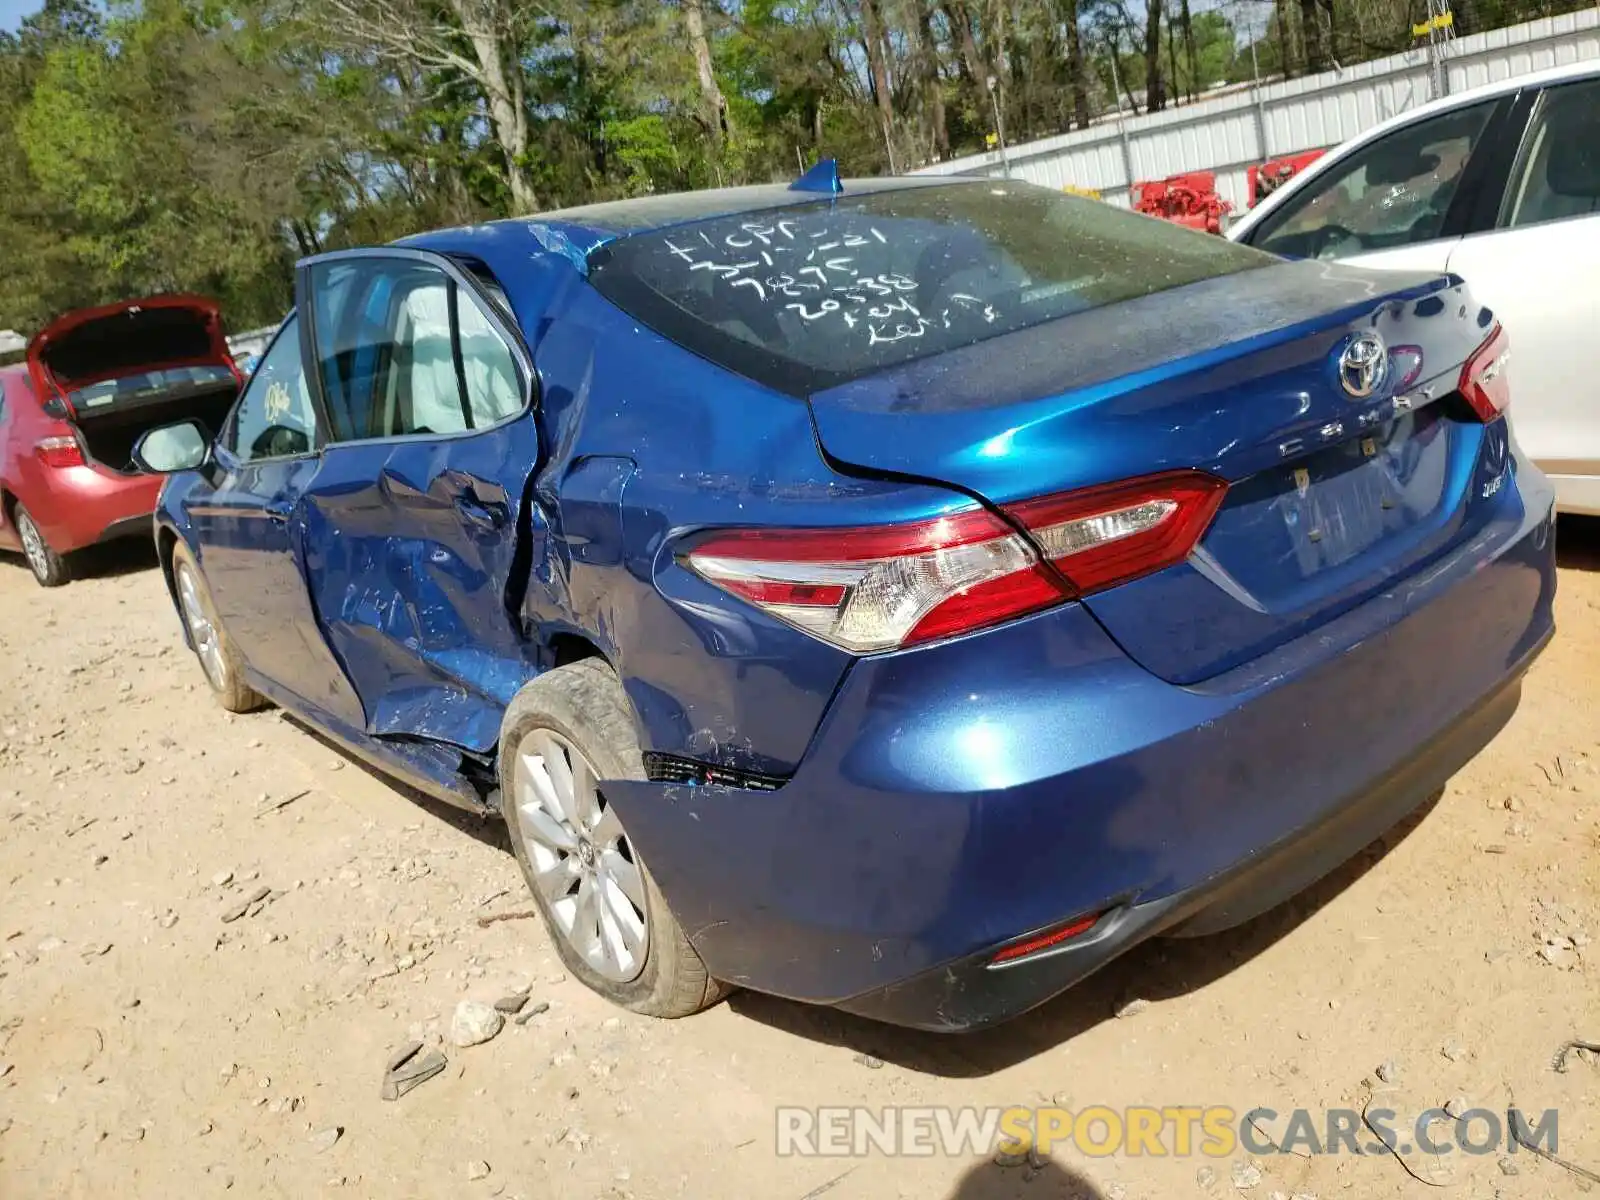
(1395,192)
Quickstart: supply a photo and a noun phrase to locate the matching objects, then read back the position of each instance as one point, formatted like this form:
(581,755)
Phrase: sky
(12,12)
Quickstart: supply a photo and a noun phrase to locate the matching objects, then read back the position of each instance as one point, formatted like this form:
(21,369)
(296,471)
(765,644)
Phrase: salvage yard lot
(161,1035)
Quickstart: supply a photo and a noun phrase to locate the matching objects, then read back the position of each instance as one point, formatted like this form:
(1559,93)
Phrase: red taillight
(1104,536)
(61,451)
(866,589)
(1483,379)
(1044,941)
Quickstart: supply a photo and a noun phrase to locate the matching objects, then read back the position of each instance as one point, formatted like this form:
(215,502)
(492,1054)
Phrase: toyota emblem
(1364,365)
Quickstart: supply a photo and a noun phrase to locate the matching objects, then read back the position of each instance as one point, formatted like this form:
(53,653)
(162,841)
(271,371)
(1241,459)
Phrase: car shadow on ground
(487,829)
(1156,970)
(1043,1179)
(1578,543)
(126,556)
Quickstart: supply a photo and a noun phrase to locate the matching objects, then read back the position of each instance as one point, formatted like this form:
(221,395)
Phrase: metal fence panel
(1225,133)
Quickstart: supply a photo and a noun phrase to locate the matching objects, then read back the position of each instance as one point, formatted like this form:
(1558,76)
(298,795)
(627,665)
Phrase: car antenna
(824,177)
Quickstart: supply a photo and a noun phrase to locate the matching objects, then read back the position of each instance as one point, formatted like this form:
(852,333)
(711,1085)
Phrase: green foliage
(151,145)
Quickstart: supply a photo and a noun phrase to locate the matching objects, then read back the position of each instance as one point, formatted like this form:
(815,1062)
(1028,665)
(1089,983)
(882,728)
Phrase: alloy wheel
(33,547)
(207,645)
(583,866)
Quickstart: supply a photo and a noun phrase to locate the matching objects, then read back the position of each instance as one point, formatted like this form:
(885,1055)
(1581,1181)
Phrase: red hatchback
(94,380)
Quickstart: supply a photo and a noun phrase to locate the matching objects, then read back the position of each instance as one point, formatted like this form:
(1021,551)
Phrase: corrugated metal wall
(1225,134)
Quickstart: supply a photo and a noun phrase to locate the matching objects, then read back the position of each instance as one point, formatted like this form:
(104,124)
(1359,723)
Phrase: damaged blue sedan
(899,595)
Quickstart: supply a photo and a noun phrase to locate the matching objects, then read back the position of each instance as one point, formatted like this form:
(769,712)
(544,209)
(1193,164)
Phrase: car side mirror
(180,446)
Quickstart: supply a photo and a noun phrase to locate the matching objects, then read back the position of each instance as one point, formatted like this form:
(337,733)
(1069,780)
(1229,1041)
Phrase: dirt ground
(148,1047)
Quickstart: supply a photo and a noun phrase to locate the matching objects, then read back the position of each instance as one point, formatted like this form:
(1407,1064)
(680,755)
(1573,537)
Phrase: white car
(1500,185)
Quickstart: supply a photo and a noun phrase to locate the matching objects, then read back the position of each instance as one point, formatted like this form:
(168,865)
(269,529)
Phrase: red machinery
(1266,178)
(1189,199)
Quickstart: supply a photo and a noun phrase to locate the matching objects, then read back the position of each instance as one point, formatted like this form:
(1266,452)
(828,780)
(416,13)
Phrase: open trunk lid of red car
(91,346)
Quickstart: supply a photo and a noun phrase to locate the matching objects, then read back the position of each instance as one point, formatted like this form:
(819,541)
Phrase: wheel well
(165,541)
(567,648)
(8,505)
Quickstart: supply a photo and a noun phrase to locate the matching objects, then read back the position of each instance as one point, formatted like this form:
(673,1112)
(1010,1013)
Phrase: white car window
(494,385)
(1394,192)
(1559,176)
(404,351)
(423,394)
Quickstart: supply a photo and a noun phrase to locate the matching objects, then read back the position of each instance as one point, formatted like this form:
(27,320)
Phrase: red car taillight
(1483,378)
(866,589)
(61,451)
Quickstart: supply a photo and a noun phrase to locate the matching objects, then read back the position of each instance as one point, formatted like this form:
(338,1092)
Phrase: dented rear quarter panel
(642,444)
(650,444)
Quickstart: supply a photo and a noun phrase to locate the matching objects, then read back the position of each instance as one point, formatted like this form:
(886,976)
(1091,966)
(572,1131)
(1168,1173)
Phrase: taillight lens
(1104,536)
(1483,379)
(61,451)
(867,589)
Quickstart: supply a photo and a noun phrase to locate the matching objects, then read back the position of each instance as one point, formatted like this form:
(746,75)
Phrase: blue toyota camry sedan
(899,595)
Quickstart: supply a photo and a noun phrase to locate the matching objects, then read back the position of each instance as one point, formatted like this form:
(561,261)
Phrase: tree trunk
(933,92)
(510,124)
(878,68)
(1284,59)
(1189,50)
(1172,65)
(1154,97)
(694,19)
(1315,37)
(995,42)
(1076,76)
(961,26)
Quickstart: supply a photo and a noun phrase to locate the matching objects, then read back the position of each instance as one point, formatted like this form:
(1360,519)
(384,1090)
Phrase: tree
(482,41)
(1077,77)
(206,144)
(1154,98)
(694,21)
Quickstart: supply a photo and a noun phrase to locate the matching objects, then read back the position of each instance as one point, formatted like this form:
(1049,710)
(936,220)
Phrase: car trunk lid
(98,346)
(120,369)
(1332,494)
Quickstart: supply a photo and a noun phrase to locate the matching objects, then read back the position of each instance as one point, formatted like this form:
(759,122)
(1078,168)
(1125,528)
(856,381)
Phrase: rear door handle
(478,512)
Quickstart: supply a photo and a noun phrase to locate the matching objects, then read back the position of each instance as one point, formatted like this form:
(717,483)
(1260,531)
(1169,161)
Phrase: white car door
(1386,204)
(1539,270)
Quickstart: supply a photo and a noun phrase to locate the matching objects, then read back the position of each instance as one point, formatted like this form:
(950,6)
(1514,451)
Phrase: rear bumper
(962,796)
(972,994)
(85,505)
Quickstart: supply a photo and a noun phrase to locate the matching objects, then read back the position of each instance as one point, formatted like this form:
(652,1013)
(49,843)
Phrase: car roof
(1487,91)
(575,232)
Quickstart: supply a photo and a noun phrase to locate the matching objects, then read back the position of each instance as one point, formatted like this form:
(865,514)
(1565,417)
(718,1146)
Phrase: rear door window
(1559,175)
(403,351)
(810,296)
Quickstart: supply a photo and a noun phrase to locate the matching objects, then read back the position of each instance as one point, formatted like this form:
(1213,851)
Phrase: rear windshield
(148,385)
(812,296)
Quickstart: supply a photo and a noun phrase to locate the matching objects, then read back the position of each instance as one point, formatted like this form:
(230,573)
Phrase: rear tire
(219,658)
(48,567)
(632,951)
